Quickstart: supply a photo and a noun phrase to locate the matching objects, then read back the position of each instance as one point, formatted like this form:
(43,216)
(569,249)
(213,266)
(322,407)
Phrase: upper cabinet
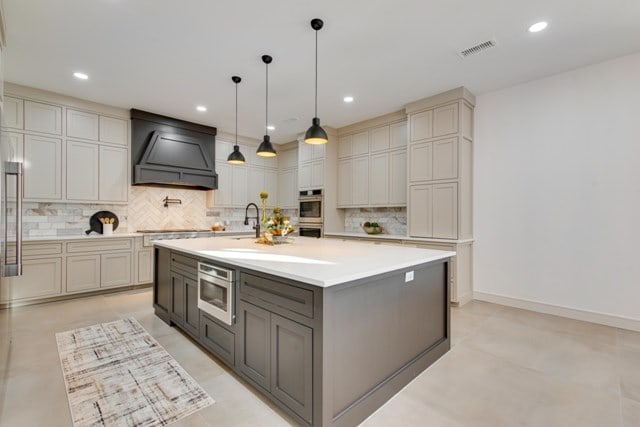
(372,166)
(440,166)
(71,155)
(44,118)
(311,165)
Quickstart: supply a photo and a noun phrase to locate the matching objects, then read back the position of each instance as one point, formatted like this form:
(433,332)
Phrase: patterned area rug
(118,375)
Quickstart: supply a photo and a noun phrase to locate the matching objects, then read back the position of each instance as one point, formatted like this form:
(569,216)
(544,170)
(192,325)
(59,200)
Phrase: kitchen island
(327,330)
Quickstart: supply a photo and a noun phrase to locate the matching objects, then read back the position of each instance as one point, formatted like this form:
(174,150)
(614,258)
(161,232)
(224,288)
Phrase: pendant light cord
(316,97)
(236,114)
(266,105)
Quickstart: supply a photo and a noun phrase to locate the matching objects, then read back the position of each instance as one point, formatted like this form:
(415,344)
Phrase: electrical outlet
(408,276)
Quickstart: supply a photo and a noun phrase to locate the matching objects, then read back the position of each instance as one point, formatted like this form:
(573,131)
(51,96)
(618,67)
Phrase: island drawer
(217,339)
(184,265)
(280,294)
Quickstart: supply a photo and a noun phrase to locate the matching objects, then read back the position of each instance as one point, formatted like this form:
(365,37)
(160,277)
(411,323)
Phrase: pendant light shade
(266,149)
(236,157)
(315,134)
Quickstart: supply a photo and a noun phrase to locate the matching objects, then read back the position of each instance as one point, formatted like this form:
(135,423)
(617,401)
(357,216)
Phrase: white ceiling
(167,56)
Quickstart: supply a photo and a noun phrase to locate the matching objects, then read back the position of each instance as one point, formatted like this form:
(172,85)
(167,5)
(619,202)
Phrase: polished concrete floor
(507,367)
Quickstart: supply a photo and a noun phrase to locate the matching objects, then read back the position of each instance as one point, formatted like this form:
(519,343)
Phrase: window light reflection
(260,256)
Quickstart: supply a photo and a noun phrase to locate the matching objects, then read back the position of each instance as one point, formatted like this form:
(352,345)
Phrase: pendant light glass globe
(236,157)
(266,149)
(315,134)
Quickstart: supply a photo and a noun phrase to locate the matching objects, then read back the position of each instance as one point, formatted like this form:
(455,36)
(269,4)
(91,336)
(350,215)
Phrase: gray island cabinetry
(327,330)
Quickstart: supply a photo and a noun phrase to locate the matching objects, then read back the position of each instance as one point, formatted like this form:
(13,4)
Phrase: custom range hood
(171,152)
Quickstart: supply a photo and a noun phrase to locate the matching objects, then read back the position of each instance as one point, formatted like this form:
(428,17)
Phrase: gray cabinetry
(276,352)
(217,339)
(162,283)
(184,293)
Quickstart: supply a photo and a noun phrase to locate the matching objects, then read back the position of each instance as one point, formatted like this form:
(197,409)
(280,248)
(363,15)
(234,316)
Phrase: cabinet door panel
(83,273)
(114,177)
(421,125)
(317,151)
(40,278)
(145,266)
(113,131)
(40,117)
(255,348)
(317,174)
(445,158)
(379,180)
(445,120)
(288,188)
(398,178)
(82,125)
(162,280)
(256,185)
(115,269)
(222,195)
(240,176)
(421,158)
(380,138)
(82,170)
(420,211)
(13,113)
(360,181)
(177,298)
(271,187)
(223,149)
(292,365)
(445,211)
(304,176)
(345,146)
(43,168)
(398,135)
(191,312)
(305,152)
(344,182)
(360,143)
(219,340)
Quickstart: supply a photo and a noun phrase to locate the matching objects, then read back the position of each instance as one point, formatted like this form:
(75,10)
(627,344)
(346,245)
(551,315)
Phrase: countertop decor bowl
(372,230)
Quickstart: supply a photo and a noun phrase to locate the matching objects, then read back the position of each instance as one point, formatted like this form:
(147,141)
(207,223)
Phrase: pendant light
(265,149)
(236,157)
(315,134)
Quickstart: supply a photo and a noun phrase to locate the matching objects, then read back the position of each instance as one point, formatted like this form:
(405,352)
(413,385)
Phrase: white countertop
(384,236)
(82,236)
(319,262)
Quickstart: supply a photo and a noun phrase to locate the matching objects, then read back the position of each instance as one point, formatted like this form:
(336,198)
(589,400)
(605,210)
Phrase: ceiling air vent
(477,48)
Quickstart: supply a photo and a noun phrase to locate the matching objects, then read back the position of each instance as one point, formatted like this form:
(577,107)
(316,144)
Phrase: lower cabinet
(217,339)
(162,283)
(184,294)
(41,278)
(90,272)
(433,210)
(277,354)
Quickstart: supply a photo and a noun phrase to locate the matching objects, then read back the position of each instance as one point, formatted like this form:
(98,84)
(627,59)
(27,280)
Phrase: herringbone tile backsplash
(147,211)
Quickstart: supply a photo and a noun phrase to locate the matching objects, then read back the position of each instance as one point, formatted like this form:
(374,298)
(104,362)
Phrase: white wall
(557,190)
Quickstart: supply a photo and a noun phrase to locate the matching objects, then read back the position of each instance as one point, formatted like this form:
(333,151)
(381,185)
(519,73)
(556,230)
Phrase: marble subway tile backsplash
(392,220)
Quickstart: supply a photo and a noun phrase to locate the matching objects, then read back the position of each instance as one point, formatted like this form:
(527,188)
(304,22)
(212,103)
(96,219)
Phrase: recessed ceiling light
(271,127)
(538,26)
(348,99)
(81,76)
(201,108)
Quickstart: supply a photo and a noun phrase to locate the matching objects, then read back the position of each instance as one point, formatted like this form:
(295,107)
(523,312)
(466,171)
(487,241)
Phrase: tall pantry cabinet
(440,165)
(440,181)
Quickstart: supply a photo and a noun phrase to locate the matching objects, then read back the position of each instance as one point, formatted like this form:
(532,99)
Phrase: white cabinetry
(311,166)
(372,167)
(82,125)
(86,160)
(440,166)
(13,113)
(113,174)
(83,273)
(43,168)
(44,118)
(82,167)
(288,178)
(40,278)
(115,269)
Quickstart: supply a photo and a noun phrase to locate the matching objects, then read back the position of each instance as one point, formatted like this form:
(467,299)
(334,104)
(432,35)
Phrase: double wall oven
(311,214)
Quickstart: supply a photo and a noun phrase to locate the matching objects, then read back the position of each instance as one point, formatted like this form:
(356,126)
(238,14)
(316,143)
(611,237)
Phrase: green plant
(374,225)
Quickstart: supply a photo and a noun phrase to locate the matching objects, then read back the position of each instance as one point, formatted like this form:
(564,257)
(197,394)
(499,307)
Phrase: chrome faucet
(246,218)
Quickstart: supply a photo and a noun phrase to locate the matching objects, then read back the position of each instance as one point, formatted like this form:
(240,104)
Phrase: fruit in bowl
(372,228)
(277,224)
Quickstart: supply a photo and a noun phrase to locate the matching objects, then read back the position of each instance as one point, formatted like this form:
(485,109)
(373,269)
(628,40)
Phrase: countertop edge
(383,236)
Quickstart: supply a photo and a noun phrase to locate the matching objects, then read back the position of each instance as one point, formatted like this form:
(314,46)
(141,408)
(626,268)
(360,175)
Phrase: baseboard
(557,310)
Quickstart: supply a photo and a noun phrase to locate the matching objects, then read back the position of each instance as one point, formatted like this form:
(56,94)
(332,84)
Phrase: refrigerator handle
(13,168)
